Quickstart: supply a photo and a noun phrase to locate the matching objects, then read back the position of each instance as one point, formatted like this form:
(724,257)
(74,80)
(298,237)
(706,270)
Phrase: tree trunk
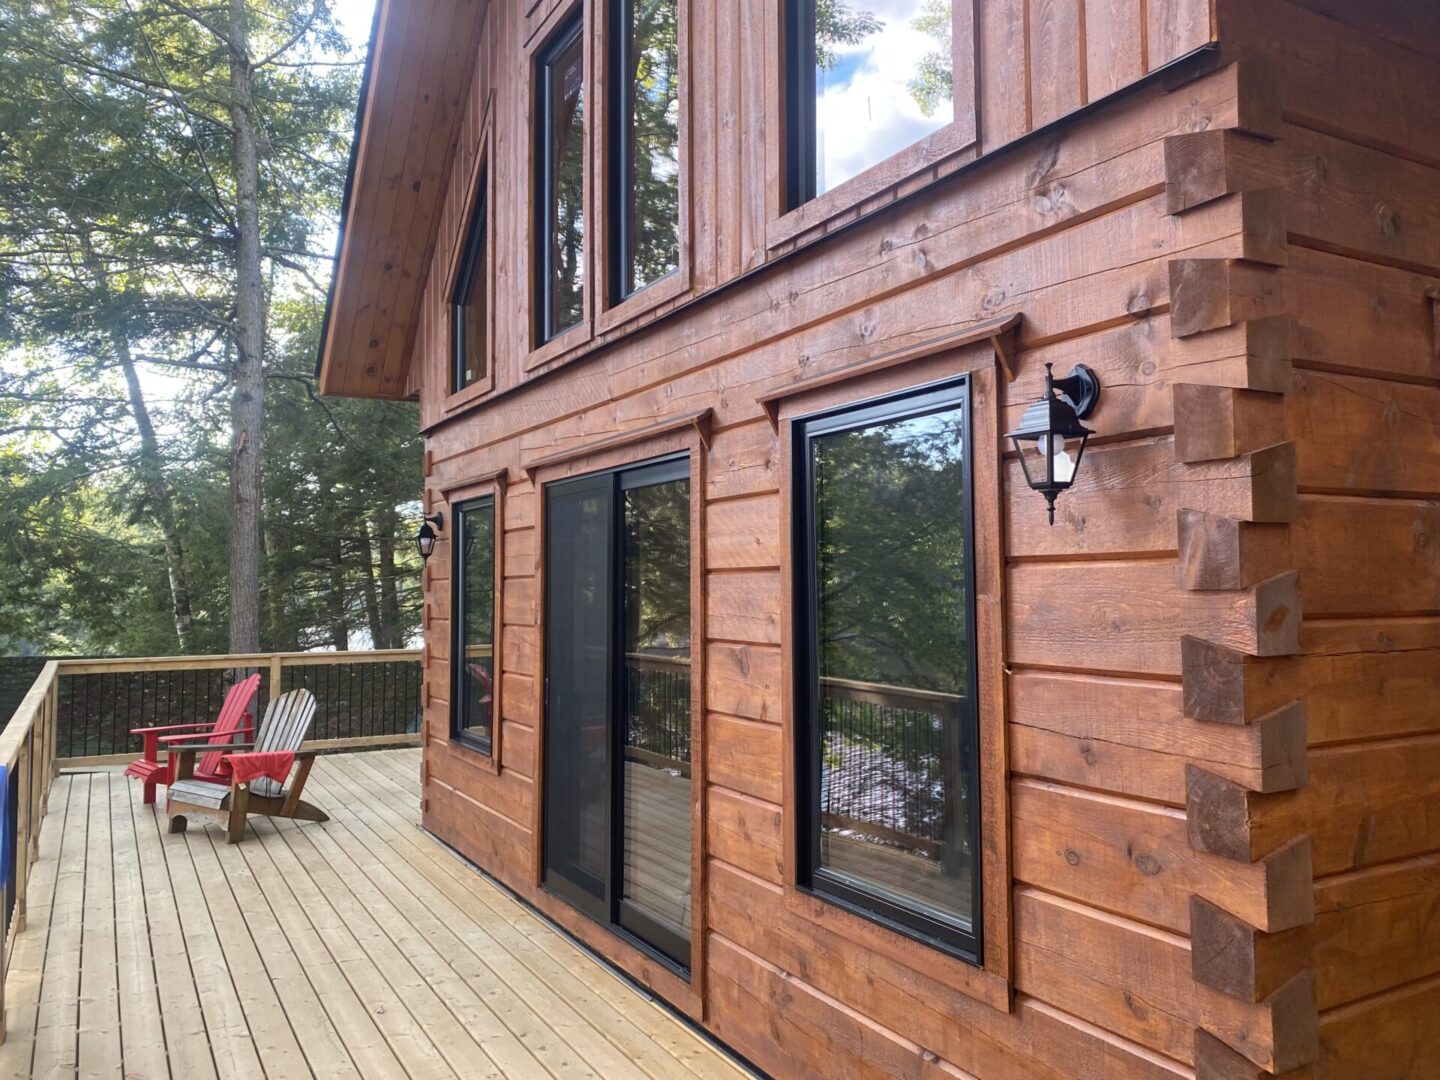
(248,403)
(389,596)
(372,597)
(157,494)
(339,621)
(150,467)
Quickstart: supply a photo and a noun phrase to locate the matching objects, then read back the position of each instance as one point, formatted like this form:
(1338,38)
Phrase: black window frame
(944,934)
(799,86)
(472,264)
(620,158)
(629,923)
(458,573)
(568,32)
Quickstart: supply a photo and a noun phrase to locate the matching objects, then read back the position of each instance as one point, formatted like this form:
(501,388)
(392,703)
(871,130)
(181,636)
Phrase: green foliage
(117,241)
(836,24)
(934,80)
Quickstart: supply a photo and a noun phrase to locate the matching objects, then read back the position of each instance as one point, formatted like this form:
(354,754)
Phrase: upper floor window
(864,80)
(887,717)
(560,210)
(470,304)
(643,144)
(472,710)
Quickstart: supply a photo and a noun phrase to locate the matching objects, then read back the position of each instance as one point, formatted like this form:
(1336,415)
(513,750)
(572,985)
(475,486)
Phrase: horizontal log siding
(1361,170)
(1075,232)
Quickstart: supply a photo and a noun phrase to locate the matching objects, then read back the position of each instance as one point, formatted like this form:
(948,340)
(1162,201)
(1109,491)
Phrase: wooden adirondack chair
(283,730)
(234,721)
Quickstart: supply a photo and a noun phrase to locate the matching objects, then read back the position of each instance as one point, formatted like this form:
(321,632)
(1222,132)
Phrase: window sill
(894,172)
(461,398)
(645,300)
(559,345)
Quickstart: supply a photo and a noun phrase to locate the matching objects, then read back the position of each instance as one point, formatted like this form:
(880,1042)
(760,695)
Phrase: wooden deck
(356,948)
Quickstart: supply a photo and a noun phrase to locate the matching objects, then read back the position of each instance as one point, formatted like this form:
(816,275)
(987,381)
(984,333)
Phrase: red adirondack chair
(235,719)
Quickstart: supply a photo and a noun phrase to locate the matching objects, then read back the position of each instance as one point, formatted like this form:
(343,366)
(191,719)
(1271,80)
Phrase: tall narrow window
(470,306)
(643,143)
(560,217)
(864,80)
(474,619)
(885,606)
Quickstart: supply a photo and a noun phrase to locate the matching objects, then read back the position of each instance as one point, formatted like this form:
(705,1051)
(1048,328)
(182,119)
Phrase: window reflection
(562,233)
(878,76)
(476,524)
(470,338)
(892,682)
(647,143)
(656,614)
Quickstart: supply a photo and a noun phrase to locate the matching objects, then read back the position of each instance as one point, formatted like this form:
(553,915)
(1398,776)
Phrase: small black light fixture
(1051,428)
(425,538)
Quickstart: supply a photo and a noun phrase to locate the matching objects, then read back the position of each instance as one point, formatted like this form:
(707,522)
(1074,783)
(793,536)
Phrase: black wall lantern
(425,538)
(1051,429)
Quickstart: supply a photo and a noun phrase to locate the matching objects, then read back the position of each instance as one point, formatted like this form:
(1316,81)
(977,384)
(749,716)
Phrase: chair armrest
(202,748)
(172,727)
(166,740)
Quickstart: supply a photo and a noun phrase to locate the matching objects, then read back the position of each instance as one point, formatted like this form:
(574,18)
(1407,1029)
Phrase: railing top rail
(893,696)
(26,714)
(232,660)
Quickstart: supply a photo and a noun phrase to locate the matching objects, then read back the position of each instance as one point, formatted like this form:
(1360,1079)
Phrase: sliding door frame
(680,448)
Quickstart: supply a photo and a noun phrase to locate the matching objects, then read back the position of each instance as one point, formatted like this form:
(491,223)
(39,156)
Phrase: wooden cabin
(751,657)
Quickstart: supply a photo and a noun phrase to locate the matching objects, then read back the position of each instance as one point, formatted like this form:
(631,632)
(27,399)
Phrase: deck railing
(362,698)
(27,753)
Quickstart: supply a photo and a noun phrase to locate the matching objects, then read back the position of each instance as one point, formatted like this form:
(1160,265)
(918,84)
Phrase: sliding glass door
(578,668)
(617,732)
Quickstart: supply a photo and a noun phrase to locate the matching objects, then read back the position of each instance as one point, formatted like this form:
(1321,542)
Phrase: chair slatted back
(232,716)
(286,724)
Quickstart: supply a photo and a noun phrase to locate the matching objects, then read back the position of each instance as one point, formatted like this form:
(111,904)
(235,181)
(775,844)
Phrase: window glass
(562,187)
(869,78)
(656,613)
(470,339)
(891,748)
(645,143)
(476,623)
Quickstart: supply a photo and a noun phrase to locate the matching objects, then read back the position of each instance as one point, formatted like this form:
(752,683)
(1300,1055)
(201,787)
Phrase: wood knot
(1387,219)
(1072,856)
(1147,865)
(993,298)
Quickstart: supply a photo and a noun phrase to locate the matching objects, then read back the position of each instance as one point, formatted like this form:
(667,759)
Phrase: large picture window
(885,652)
(643,144)
(560,210)
(864,80)
(473,656)
(470,304)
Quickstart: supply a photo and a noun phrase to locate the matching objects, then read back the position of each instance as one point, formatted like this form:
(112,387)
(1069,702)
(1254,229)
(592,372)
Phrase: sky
(865,109)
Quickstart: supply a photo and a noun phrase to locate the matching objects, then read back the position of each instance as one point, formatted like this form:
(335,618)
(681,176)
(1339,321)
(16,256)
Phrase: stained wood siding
(1219,767)
(1359,171)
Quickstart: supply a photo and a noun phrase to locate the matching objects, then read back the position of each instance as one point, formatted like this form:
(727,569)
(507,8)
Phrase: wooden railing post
(276,671)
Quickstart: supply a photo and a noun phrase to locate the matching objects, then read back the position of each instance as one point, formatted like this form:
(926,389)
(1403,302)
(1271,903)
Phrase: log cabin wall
(1186,879)
(1356,163)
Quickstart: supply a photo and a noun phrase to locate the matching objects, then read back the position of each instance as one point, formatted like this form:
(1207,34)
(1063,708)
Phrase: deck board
(361,947)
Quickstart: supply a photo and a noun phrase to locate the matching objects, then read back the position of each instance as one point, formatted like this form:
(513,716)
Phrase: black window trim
(564,36)
(799,105)
(620,160)
(458,732)
(936,930)
(628,923)
(472,263)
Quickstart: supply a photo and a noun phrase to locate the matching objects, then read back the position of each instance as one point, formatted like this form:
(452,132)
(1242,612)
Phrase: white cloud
(873,115)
